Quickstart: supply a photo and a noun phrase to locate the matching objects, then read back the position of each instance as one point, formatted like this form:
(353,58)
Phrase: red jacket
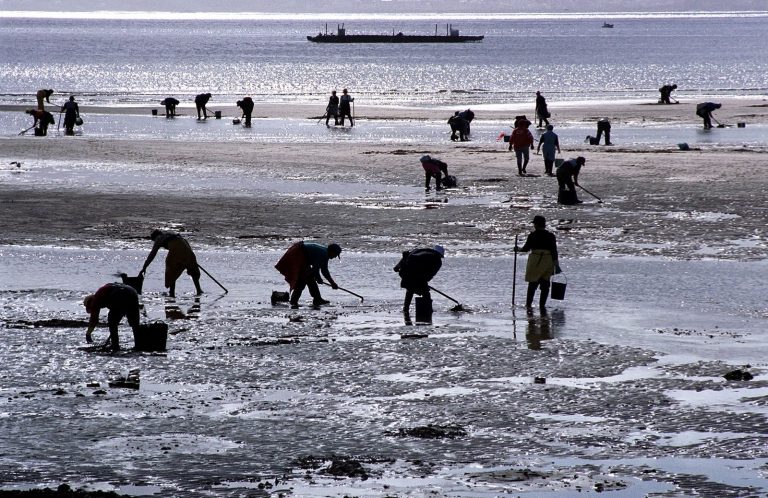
(521,138)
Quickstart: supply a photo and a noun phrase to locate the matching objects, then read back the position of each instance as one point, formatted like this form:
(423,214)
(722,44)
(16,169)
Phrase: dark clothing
(247,106)
(416,269)
(665,92)
(302,266)
(345,109)
(434,168)
(704,111)
(458,125)
(122,301)
(42,120)
(603,126)
(541,239)
(332,110)
(200,102)
(170,104)
(568,175)
(541,110)
(541,264)
(71,113)
(180,257)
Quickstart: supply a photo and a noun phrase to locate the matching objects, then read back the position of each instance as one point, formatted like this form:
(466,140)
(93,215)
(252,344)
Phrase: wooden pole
(514,275)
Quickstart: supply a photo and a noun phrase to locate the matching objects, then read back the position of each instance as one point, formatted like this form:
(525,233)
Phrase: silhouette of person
(550,143)
(666,92)
(603,126)
(416,268)
(332,109)
(122,301)
(345,107)
(180,257)
(521,141)
(71,113)
(704,111)
(42,120)
(42,97)
(247,106)
(542,113)
(542,262)
(170,104)
(200,102)
(433,167)
(567,180)
(302,266)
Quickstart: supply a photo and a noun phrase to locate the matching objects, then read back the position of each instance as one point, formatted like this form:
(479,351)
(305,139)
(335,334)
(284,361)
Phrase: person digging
(416,269)
(302,266)
(122,301)
(180,257)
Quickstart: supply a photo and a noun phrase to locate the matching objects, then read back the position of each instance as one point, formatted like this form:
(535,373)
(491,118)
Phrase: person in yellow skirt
(542,262)
(180,257)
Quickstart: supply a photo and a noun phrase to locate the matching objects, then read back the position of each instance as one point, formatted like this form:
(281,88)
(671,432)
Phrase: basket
(557,289)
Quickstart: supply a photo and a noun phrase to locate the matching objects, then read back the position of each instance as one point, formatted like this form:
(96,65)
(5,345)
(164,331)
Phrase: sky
(384,6)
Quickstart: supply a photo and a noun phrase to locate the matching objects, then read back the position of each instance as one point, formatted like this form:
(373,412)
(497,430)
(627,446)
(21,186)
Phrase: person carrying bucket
(180,257)
(542,262)
(122,301)
(302,266)
(71,112)
(416,269)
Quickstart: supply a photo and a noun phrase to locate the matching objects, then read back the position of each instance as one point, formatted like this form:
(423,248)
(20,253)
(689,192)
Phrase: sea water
(111,59)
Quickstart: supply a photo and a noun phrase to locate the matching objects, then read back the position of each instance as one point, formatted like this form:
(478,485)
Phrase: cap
(581,160)
(440,250)
(335,249)
(425,158)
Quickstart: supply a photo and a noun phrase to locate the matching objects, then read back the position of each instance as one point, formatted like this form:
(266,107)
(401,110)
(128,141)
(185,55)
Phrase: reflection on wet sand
(174,312)
(542,328)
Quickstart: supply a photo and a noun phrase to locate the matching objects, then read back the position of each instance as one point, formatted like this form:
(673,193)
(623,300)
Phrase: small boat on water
(451,36)
(607,25)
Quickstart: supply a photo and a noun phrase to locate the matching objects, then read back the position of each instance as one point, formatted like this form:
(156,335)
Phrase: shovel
(599,200)
(22,132)
(348,292)
(458,307)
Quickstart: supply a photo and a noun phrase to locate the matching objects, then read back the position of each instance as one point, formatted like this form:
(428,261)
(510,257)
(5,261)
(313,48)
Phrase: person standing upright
(332,109)
(542,262)
(71,113)
(542,113)
(521,141)
(345,107)
(550,143)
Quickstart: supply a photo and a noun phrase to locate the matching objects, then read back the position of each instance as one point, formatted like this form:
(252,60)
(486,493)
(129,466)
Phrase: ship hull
(393,39)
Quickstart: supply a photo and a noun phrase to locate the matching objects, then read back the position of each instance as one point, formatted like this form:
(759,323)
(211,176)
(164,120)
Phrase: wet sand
(664,298)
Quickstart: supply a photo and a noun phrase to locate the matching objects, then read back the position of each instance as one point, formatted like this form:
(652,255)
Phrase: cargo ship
(451,36)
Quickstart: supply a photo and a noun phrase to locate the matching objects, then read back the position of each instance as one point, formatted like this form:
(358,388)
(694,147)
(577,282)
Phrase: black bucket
(279,297)
(154,112)
(39,132)
(450,181)
(151,336)
(217,114)
(557,289)
(136,282)
(423,310)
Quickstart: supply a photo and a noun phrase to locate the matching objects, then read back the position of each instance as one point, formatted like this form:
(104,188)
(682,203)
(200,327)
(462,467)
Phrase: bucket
(741,125)
(154,112)
(423,310)
(217,114)
(236,121)
(557,289)
(559,162)
(136,282)
(279,297)
(39,132)
(151,336)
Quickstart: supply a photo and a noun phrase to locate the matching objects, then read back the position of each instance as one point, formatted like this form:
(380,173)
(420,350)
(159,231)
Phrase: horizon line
(309,16)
